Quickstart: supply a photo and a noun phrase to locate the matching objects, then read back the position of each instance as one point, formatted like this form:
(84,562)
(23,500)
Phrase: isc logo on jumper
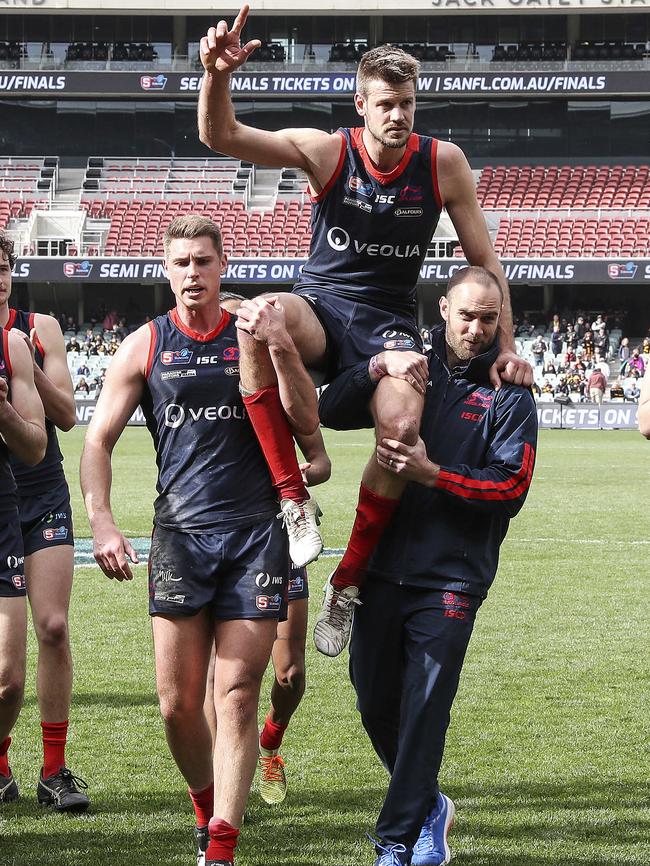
(153,82)
(77,269)
(626,271)
(58,534)
(182,356)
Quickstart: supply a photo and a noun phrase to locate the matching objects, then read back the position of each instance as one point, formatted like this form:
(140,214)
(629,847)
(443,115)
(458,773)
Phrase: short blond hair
(389,64)
(193,226)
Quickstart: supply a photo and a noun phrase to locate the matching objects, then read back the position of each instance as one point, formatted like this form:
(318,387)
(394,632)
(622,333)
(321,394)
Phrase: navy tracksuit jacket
(433,567)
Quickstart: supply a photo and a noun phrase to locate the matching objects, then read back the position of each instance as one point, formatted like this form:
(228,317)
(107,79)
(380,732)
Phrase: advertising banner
(587,416)
(85,409)
(282,270)
(309,85)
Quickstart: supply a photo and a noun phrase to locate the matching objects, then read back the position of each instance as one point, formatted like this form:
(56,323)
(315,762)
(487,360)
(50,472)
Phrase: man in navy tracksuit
(469,473)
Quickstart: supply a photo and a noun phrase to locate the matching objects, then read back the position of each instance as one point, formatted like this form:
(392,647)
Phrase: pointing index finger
(240,20)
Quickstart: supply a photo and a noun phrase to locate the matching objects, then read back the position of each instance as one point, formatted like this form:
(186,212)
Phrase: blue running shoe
(392,855)
(432,848)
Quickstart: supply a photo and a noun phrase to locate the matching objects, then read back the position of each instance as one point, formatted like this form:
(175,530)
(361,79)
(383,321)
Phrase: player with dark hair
(46,523)
(219,562)
(377,193)
(466,476)
(22,433)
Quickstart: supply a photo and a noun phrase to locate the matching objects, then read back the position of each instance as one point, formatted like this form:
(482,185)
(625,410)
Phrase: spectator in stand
(601,341)
(109,320)
(538,349)
(588,344)
(547,388)
(617,392)
(549,369)
(83,369)
(537,391)
(562,386)
(631,390)
(596,385)
(580,327)
(645,350)
(599,361)
(598,323)
(525,329)
(73,345)
(113,345)
(570,357)
(82,387)
(70,324)
(557,339)
(571,337)
(624,353)
(636,362)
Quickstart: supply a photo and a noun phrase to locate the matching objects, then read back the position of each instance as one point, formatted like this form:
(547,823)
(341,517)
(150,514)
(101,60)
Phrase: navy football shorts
(46,519)
(12,559)
(356,331)
(297,587)
(239,574)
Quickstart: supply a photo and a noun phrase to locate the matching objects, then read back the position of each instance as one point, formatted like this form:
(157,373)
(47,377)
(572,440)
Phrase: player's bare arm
(53,382)
(317,467)
(264,319)
(458,194)
(118,400)
(221,52)
(643,414)
(22,422)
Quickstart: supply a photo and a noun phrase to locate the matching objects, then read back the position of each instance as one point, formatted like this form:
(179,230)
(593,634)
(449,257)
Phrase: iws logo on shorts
(269,602)
(15,561)
(58,534)
(263,579)
(182,356)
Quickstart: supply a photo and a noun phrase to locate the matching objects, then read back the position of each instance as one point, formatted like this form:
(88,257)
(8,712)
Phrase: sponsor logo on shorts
(57,534)
(153,82)
(231,353)
(408,211)
(15,561)
(268,602)
(167,574)
(231,371)
(399,344)
(263,579)
(617,271)
(357,185)
(182,356)
(296,584)
(355,202)
(81,270)
(170,597)
(18,581)
(177,374)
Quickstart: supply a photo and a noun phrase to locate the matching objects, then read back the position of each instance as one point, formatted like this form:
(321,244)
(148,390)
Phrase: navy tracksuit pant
(406,654)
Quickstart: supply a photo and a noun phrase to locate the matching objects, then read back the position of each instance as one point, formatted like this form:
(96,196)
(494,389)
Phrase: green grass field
(547,755)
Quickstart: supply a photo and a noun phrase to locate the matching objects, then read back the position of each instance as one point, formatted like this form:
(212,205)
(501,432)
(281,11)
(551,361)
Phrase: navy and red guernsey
(371,230)
(211,472)
(8,496)
(448,536)
(34,480)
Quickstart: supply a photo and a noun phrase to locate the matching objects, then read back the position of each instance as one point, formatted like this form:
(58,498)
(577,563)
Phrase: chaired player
(22,433)
(219,557)
(288,654)
(377,193)
(46,523)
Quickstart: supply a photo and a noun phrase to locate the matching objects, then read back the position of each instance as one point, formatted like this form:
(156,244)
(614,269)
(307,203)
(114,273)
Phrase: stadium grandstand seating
(573,238)
(25,183)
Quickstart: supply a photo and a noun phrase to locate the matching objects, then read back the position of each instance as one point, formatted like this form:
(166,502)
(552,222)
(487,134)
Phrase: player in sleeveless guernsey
(22,434)
(218,566)
(377,196)
(46,523)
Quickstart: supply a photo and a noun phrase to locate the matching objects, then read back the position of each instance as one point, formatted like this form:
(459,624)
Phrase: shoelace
(271,768)
(340,608)
(393,850)
(293,520)
(70,781)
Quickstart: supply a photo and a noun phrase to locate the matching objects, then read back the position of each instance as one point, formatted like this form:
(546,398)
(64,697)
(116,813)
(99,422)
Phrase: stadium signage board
(375,6)
(587,416)
(85,409)
(283,270)
(308,85)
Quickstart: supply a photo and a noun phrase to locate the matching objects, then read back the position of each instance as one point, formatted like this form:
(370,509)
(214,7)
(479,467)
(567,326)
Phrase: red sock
(276,441)
(223,839)
(203,802)
(373,516)
(272,734)
(4,760)
(55,735)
